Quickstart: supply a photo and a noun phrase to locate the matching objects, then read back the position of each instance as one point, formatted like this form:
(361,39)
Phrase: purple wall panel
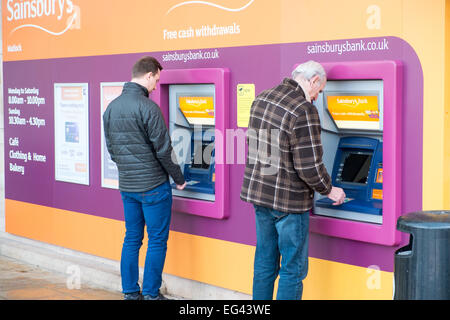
(264,66)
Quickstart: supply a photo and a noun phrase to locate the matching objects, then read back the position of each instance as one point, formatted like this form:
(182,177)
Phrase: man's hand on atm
(181,186)
(337,195)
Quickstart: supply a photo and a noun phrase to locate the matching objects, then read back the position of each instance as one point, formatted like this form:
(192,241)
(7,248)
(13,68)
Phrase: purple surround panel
(263,65)
(220,78)
(391,74)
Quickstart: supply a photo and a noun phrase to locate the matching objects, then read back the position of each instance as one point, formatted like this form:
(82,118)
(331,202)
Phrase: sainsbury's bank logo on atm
(54,17)
(354,101)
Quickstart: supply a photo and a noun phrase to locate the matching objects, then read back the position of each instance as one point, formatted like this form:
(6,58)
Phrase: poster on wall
(245,98)
(72,132)
(110,176)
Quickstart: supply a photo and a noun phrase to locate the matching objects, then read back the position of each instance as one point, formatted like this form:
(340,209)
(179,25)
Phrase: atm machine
(351,113)
(195,103)
(192,128)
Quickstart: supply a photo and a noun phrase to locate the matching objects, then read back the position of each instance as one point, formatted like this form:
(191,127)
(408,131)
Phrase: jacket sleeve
(159,137)
(307,152)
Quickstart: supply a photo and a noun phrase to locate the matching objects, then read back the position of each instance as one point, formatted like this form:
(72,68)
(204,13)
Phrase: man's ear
(315,79)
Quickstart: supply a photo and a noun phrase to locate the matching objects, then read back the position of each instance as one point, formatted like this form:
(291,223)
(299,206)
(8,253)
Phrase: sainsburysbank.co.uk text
(191,55)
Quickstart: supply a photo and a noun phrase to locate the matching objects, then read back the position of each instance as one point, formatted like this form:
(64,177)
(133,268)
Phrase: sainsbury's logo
(354,101)
(22,11)
(211,4)
(19,10)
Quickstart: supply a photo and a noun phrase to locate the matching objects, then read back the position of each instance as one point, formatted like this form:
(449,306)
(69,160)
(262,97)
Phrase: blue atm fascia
(361,194)
(200,177)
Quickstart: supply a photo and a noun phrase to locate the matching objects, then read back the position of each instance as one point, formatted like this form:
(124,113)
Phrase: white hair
(310,69)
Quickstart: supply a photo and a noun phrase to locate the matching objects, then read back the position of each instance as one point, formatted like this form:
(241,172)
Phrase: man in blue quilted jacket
(139,143)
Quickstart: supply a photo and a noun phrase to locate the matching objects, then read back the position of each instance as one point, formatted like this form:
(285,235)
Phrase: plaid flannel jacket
(284,161)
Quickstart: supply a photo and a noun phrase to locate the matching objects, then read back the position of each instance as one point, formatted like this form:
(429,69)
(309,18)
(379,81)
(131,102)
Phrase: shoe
(158,297)
(132,296)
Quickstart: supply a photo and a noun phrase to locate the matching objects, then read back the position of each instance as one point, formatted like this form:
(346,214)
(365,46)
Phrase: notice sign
(245,97)
(198,110)
(355,112)
(110,175)
(72,132)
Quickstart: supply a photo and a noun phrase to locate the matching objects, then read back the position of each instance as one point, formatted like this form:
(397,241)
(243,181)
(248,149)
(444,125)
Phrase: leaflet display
(72,132)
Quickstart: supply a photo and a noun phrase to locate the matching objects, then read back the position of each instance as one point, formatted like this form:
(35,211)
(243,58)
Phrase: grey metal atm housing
(332,135)
(190,140)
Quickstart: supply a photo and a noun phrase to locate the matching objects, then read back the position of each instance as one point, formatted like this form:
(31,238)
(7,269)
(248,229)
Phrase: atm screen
(355,167)
(357,112)
(197,110)
(200,159)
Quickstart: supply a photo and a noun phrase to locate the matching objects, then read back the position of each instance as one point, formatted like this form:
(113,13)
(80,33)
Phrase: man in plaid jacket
(283,170)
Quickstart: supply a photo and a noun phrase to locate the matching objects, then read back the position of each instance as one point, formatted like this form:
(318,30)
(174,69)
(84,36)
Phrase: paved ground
(19,281)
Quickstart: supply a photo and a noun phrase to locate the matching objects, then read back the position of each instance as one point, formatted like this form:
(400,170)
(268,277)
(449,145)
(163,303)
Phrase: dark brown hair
(146,65)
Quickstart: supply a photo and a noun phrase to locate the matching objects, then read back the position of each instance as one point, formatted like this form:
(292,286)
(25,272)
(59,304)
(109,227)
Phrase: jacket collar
(295,86)
(133,87)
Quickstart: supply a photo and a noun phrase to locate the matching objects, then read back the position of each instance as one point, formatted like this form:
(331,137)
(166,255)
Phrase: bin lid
(424,220)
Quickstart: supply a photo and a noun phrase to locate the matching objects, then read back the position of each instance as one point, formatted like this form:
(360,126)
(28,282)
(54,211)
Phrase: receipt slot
(195,105)
(360,113)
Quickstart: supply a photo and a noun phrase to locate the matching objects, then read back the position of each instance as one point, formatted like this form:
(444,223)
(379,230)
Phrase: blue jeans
(280,236)
(151,208)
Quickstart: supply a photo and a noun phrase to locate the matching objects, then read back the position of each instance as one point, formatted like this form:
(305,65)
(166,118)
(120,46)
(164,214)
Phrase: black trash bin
(422,268)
